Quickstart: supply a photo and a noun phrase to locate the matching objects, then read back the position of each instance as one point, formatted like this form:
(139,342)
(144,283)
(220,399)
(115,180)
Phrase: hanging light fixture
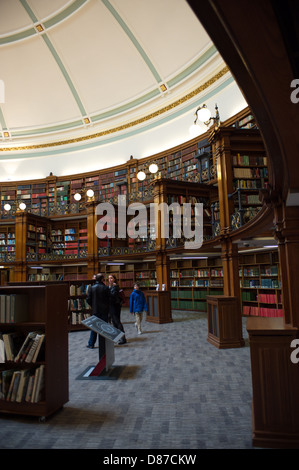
(153,168)
(90,193)
(203,114)
(22,206)
(7,207)
(141,175)
(77,197)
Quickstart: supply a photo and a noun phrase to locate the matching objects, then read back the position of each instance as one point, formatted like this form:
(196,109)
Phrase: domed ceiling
(88,68)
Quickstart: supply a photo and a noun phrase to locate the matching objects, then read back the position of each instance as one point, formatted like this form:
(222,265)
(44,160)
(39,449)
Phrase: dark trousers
(115,317)
(93,335)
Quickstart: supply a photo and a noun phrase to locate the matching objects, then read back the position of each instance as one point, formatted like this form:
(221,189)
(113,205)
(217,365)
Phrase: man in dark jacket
(98,299)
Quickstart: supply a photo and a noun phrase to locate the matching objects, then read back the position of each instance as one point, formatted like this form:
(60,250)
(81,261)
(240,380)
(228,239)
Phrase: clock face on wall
(103,328)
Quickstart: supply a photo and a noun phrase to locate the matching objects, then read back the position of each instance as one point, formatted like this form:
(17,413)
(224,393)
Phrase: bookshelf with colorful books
(69,237)
(78,308)
(107,188)
(34,350)
(24,195)
(8,195)
(175,170)
(145,275)
(250,175)
(92,182)
(261,285)
(62,195)
(39,198)
(205,161)
(76,186)
(192,280)
(7,240)
(190,193)
(37,235)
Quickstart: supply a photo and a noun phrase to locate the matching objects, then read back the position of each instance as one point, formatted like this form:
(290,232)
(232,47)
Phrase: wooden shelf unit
(261,284)
(7,239)
(193,280)
(46,313)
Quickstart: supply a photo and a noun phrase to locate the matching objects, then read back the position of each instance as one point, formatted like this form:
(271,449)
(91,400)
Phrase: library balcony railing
(47,211)
(145,247)
(7,257)
(247,206)
(52,256)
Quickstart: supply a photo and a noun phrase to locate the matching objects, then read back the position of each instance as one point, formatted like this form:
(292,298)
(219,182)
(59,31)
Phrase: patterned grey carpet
(174,391)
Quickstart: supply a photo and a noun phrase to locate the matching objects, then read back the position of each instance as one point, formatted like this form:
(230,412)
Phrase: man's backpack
(122,296)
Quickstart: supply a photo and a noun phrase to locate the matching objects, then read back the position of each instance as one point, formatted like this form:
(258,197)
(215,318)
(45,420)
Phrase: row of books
(13,308)
(262,311)
(196,273)
(76,318)
(261,283)
(13,346)
(8,235)
(187,294)
(79,289)
(249,160)
(250,183)
(250,173)
(78,304)
(269,298)
(197,283)
(189,305)
(22,385)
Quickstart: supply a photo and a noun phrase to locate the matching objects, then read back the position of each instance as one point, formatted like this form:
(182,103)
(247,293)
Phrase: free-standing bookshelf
(45,313)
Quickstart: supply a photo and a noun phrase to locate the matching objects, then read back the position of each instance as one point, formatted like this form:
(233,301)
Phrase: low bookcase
(44,311)
(224,322)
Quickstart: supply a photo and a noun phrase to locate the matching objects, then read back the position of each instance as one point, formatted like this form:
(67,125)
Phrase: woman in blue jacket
(138,306)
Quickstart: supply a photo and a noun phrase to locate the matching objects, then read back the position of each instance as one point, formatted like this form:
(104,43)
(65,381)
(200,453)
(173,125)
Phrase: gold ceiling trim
(190,95)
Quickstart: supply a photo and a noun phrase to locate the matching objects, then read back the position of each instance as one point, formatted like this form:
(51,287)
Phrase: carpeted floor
(175,391)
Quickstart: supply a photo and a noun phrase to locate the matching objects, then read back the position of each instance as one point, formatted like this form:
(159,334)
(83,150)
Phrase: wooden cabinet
(224,322)
(159,306)
(275,383)
(45,313)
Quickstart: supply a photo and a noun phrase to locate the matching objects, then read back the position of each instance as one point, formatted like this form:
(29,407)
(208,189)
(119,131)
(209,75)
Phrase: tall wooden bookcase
(47,305)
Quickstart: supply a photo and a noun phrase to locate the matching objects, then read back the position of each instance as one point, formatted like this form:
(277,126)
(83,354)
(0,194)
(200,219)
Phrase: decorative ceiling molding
(44,23)
(126,126)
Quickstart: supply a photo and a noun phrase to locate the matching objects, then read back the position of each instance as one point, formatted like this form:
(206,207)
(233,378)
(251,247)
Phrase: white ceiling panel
(13,16)
(36,93)
(168,30)
(105,67)
(46,8)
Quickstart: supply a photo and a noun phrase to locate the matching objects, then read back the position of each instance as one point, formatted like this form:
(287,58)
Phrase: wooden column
(233,328)
(92,240)
(287,233)
(20,269)
(163,270)
(220,139)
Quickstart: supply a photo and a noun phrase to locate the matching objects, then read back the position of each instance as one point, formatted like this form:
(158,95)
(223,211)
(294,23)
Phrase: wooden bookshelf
(7,240)
(45,313)
(78,308)
(192,281)
(261,285)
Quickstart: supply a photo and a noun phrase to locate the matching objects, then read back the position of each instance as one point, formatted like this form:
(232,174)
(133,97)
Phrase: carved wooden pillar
(92,240)
(20,270)
(220,139)
(163,271)
(287,234)
(230,263)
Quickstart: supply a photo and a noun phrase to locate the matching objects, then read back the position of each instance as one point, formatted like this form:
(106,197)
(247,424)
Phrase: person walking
(138,305)
(115,303)
(98,297)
